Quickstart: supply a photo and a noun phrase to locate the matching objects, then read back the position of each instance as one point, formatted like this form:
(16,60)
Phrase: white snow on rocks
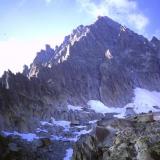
(82,132)
(99,107)
(62,123)
(69,153)
(25,136)
(41,130)
(43,123)
(93,122)
(74,108)
(143,102)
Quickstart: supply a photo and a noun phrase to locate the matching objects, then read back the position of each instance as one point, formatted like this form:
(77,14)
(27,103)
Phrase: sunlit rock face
(104,61)
(41,60)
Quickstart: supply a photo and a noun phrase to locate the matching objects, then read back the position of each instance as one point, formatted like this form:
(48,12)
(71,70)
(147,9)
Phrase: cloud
(14,53)
(125,12)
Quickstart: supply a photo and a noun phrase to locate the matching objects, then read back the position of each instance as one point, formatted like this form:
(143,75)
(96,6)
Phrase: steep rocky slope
(103,61)
(23,102)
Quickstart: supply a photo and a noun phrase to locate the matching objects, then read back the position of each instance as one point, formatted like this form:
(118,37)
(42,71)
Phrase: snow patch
(7,78)
(64,139)
(79,127)
(99,107)
(74,108)
(76,136)
(108,54)
(143,102)
(25,136)
(61,123)
(44,123)
(41,130)
(69,153)
(93,122)
(82,132)
(65,57)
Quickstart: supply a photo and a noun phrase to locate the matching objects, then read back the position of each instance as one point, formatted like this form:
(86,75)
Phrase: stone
(129,112)
(13,147)
(142,150)
(145,118)
(46,142)
(38,143)
(139,141)
(75,123)
(101,133)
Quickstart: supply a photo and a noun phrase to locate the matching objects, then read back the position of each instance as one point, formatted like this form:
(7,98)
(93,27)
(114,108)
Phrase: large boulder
(138,141)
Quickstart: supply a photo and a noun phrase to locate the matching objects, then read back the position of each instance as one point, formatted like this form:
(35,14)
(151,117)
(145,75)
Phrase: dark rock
(13,147)
(75,122)
(101,133)
(145,117)
(139,141)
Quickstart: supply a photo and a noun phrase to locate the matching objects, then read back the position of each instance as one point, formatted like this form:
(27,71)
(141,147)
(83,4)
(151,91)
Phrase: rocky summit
(84,99)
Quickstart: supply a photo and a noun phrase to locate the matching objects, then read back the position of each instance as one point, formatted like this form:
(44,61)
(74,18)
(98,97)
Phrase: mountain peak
(105,20)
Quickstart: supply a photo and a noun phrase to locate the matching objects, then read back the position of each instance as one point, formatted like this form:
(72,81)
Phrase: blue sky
(27,25)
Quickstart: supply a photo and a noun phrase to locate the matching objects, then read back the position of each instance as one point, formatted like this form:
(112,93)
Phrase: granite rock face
(42,149)
(102,61)
(127,139)
(23,102)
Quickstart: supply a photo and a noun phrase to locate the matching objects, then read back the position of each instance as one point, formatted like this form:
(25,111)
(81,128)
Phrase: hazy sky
(27,25)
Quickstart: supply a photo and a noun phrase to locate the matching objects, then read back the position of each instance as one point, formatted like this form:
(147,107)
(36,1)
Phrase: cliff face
(24,102)
(103,61)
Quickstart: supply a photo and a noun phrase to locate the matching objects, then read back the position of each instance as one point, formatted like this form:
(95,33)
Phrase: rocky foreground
(135,138)
(14,148)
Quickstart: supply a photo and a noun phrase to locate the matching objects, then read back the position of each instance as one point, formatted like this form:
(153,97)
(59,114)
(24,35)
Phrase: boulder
(13,147)
(101,133)
(145,117)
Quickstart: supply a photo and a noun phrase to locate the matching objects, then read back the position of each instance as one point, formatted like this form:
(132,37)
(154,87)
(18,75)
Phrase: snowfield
(143,102)
(99,107)
(69,153)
